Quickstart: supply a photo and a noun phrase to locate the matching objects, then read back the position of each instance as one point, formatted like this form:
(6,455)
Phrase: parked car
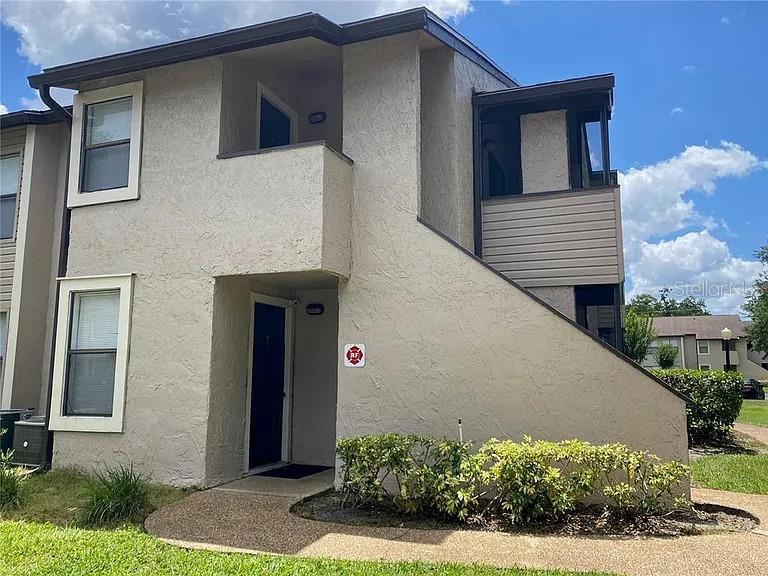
(752,389)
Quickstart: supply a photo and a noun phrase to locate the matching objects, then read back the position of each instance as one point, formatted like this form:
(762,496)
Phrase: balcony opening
(281,95)
(599,310)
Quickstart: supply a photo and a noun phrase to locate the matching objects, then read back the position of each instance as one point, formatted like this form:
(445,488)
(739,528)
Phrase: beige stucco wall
(446,338)
(544,141)
(197,218)
(36,241)
(314,379)
(448,80)
(561,297)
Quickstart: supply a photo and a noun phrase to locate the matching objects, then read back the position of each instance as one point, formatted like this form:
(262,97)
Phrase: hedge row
(716,396)
(514,482)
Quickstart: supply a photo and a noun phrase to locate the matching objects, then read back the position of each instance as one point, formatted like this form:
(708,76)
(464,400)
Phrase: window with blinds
(10,173)
(92,353)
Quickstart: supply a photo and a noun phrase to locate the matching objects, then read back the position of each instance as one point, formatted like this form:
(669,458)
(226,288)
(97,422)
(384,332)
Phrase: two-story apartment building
(294,232)
(701,346)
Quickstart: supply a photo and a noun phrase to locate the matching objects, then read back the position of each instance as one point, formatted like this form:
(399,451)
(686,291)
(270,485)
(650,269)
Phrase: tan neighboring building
(700,344)
(295,232)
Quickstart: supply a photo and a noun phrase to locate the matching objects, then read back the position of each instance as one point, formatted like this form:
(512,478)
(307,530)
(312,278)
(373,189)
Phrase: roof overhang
(25,117)
(597,89)
(310,25)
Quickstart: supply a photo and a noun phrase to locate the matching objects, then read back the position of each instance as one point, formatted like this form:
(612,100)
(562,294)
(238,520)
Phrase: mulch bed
(591,521)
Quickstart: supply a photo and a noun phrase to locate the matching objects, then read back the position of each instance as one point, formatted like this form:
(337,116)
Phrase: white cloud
(725,20)
(3,109)
(656,204)
(33,102)
(54,33)
(694,264)
(677,110)
(690,68)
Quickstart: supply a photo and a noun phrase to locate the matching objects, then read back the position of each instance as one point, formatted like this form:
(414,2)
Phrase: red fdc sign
(354,355)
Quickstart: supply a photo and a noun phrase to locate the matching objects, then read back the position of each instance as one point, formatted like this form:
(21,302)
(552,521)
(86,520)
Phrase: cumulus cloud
(54,33)
(658,202)
(677,110)
(3,109)
(725,20)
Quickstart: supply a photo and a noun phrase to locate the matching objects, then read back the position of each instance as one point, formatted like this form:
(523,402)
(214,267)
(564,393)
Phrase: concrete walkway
(229,520)
(757,432)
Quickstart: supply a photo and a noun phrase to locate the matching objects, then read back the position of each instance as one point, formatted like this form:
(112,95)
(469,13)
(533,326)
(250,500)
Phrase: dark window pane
(106,168)
(108,121)
(7,216)
(274,126)
(90,384)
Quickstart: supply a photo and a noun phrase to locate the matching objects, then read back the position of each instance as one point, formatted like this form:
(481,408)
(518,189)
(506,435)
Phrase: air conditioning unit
(7,420)
(28,441)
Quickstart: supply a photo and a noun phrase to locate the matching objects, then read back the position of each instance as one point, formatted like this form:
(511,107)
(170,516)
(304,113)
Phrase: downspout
(45,96)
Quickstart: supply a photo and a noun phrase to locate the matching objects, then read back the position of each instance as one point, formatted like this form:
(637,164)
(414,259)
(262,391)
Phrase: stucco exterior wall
(197,218)
(37,234)
(544,141)
(561,297)
(690,351)
(446,338)
(314,379)
(448,80)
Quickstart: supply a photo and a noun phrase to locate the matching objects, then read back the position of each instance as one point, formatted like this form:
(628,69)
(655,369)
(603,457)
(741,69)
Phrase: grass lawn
(47,550)
(58,496)
(42,538)
(732,472)
(754,412)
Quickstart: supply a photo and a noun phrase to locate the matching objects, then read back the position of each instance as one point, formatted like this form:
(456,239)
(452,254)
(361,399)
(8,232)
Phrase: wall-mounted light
(315,309)
(317,117)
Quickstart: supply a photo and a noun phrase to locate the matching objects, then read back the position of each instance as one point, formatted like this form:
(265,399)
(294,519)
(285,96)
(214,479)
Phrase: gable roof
(306,25)
(703,327)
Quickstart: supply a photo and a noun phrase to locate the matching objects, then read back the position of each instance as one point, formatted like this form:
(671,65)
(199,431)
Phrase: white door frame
(289,307)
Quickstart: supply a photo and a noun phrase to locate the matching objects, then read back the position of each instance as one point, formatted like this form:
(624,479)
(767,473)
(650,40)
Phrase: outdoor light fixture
(317,118)
(726,334)
(315,309)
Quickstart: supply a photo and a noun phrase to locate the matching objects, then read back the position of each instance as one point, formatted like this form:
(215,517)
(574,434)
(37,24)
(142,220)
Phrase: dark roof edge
(292,28)
(25,117)
(596,84)
(557,312)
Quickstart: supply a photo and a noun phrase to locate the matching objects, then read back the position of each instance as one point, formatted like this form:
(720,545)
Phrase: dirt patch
(591,521)
(734,443)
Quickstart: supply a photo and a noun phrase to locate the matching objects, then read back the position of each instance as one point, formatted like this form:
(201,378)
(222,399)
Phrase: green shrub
(11,480)
(515,482)
(665,356)
(116,494)
(716,396)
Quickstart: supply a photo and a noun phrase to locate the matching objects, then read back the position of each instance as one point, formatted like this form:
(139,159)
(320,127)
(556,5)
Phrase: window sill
(108,424)
(102,197)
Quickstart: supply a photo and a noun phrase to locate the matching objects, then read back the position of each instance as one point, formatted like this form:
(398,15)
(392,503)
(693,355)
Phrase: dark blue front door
(267,385)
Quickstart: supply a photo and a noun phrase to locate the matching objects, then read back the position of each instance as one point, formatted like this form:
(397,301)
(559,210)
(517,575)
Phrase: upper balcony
(548,210)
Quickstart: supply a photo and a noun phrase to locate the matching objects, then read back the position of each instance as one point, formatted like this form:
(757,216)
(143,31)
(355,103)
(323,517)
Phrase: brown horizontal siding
(566,238)
(11,142)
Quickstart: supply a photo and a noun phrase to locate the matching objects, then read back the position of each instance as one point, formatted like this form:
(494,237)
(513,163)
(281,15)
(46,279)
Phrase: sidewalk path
(225,520)
(759,433)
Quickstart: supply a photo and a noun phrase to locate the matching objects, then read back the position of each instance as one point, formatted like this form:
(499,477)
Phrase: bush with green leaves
(116,494)
(638,335)
(716,399)
(11,480)
(665,356)
(517,482)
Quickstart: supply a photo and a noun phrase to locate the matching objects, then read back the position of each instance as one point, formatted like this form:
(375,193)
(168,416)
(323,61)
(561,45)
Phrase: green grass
(45,550)
(732,472)
(754,412)
(59,497)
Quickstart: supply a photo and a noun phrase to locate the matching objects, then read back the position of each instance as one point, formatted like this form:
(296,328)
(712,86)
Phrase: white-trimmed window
(10,175)
(705,367)
(91,357)
(703,347)
(106,145)
(277,122)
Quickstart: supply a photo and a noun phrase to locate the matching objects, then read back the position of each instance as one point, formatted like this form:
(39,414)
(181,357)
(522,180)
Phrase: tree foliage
(665,355)
(665,305)
(638,335)
(756,305)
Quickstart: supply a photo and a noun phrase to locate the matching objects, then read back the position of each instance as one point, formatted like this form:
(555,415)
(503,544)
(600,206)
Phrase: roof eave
(292,28)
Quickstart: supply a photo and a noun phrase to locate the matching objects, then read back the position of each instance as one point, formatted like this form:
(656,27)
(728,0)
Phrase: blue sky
(690,125)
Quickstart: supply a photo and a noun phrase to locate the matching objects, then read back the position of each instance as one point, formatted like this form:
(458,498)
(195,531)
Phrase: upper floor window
(703,347)
(10,172)
(91,357)
(277,120)
(730,344)
(106,145)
